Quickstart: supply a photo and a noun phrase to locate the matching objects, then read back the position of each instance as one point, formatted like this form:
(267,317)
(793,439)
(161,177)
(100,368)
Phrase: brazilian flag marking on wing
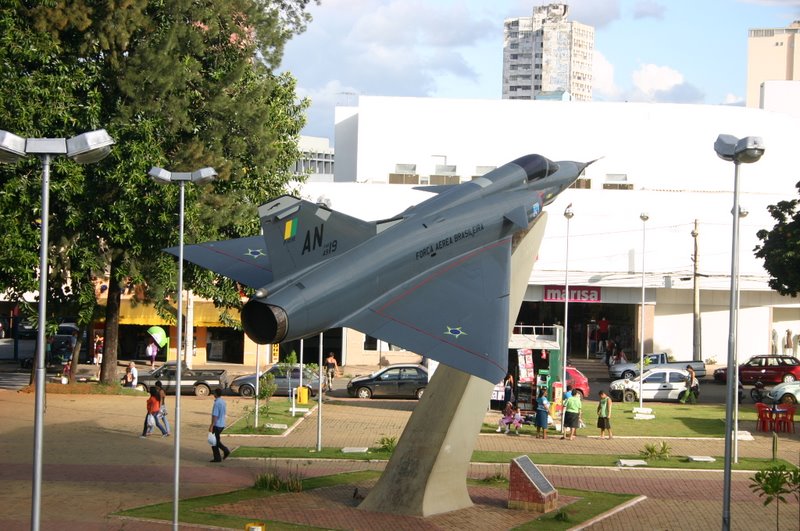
(290,229)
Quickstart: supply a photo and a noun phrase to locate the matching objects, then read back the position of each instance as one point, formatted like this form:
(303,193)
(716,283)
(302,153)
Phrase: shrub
(277,480)
(387,444)
(660,451)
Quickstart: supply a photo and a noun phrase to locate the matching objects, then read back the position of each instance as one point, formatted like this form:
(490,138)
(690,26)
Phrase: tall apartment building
(546,53)
(771,56)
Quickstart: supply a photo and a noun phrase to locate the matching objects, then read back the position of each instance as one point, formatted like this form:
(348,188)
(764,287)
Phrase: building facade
(546,53)
(653,158)
(772,55)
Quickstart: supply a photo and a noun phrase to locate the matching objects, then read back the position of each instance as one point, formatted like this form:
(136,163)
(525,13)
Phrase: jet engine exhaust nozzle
(264,323)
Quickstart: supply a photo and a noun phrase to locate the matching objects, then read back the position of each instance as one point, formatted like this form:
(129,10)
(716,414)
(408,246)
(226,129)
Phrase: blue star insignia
(454,331)
(255,253)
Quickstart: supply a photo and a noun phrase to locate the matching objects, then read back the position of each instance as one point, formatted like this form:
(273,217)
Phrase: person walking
(152,351)
(331,370)
(134,380)
(692,392)
(542,412)
(508,388)
(604,414)
(162,413)
(151,420)
(217,425)
(573,416)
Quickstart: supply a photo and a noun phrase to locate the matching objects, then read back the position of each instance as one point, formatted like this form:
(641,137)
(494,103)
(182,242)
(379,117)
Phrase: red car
(579,382)
(768,369)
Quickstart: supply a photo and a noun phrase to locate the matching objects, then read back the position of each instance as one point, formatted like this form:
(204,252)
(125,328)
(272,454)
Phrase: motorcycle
(757,393)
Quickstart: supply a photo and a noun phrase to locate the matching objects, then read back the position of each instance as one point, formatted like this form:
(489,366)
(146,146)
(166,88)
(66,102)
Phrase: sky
(677,51)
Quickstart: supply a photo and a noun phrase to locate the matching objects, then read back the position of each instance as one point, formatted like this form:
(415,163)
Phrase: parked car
(766,368)
(657,384)
(579,382)
(285,379)
(658,360)
(199,382)
(26,329)
(401,380)
(785,393)
(5,330)
(61,347)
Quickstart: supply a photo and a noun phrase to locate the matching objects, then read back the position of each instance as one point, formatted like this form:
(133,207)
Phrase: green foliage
(772,484)
(659,451)
(178,84)
(387,444)
(266,387)
(275,479)
(780,247)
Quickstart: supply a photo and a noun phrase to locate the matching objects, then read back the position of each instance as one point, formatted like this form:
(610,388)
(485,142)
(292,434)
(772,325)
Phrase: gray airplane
(435,279)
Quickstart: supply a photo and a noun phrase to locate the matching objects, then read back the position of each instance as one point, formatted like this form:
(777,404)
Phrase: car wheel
(628,375)
(789,399)
(246,391)
(201,390)
(364,392)
(419,392)
(789,378)
(142,388)
(629,396)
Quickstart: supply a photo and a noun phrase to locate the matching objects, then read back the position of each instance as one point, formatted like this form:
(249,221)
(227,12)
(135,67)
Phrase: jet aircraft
(435,279)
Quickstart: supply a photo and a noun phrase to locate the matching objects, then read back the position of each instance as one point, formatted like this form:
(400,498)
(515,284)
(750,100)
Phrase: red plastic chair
(766,419)
(784,419)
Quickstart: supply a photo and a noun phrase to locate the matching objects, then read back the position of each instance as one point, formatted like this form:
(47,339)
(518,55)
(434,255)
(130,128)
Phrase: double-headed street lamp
(201,176)
(745,150)
(86,148)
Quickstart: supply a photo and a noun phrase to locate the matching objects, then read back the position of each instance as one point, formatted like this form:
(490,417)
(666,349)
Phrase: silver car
(285,379)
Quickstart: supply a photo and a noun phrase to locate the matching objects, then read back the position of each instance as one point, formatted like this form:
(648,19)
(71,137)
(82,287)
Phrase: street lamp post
(86,148)
(201,176)
(644,217)
(742,214)
(568,214)
(746,150)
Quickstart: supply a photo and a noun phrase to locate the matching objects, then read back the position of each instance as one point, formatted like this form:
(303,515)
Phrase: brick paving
(95,464)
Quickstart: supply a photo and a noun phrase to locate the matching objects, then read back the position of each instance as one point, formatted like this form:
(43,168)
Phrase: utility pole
(697,352)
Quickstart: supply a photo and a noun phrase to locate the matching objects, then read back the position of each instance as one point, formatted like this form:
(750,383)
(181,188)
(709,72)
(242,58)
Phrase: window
(656,378)
(676,377)
(370,343)
(391,374)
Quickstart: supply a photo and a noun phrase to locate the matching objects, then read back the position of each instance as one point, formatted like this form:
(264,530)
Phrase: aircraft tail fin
(299,233)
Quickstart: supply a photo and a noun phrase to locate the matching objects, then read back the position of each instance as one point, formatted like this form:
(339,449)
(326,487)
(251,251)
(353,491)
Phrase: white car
(785,393)
(658,384)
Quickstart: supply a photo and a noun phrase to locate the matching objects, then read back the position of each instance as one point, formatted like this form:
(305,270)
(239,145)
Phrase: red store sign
(576,294)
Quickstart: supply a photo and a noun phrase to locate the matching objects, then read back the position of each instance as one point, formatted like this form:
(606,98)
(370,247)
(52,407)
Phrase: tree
(177,83)
(780,247)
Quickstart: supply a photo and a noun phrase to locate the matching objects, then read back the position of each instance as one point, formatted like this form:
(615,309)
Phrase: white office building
(545,54)
(656,159)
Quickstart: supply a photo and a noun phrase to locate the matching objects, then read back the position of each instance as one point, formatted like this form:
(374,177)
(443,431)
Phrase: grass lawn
(279,412)
(193,511)
(672,420)
(745,463)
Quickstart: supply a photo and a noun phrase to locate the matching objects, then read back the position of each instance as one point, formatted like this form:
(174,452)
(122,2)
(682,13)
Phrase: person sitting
(507,418)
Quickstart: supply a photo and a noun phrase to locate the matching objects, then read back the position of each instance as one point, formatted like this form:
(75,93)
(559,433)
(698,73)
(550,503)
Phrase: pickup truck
(199,382)
(658,360)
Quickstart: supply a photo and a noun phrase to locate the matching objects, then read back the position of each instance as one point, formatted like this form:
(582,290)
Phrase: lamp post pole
(201,176)
(85,148)
(644,217)
(745,150)
(568,214)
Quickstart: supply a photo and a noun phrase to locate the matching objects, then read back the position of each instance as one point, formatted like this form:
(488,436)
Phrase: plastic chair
(766,418)
(784,419)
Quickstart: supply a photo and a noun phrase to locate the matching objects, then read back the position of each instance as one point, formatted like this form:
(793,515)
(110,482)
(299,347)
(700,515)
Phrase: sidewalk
(95,464)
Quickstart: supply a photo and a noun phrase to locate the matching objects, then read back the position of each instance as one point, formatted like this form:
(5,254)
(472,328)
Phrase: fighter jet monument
(445,278)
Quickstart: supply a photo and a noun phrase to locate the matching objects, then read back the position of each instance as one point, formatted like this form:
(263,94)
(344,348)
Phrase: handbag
(212,439)
(151,420)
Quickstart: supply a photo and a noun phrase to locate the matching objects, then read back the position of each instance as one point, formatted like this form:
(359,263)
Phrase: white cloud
(664,85)
(733,99)
(603,85)
(597,13)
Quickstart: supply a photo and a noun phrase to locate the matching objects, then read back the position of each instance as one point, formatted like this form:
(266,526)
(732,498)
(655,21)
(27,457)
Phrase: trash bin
(302,395)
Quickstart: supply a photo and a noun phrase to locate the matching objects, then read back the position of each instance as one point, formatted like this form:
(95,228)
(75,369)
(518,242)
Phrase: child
(604,414)
(516,420)
(507,418)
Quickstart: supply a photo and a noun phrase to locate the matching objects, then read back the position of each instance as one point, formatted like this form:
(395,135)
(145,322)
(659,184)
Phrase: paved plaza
(96,464)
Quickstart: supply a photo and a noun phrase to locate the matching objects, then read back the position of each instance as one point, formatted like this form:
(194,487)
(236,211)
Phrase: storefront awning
(205,314)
